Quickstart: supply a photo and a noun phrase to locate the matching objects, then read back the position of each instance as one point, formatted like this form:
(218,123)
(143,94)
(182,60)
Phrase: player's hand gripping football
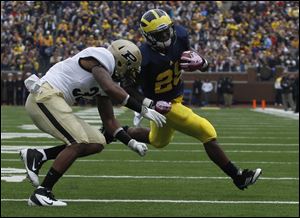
(191,61)
(139,147)
(153,115)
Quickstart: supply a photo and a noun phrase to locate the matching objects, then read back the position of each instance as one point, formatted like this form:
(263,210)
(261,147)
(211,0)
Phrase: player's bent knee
(211,142)
(83,150)
(98,147)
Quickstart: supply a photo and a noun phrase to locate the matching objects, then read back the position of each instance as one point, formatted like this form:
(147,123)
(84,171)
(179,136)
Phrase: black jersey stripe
(55,123)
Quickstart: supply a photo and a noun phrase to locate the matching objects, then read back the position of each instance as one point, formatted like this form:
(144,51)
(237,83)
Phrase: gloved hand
(191,61)
(137,119)
(153,115)
(139,147)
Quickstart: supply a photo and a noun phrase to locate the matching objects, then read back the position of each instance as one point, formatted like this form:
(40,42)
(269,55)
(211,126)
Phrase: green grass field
(178,180)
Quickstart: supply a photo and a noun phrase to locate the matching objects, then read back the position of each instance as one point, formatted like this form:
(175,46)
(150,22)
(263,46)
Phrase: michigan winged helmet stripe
(155,20)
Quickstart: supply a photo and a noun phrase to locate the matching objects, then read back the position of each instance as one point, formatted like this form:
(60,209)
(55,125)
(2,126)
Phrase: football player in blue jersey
(162,86)
(163,56)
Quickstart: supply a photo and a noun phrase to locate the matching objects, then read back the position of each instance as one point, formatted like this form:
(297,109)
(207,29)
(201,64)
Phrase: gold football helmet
(128,59)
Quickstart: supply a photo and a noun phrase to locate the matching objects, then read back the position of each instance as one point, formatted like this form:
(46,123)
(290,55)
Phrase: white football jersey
(75,82)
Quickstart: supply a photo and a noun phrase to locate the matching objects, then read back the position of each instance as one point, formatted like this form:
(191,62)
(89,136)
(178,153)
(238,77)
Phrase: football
(191,61)
(163,107)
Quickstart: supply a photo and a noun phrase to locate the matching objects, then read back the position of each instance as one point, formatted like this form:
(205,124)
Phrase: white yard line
(162,201)
(11,135)
(172,143)
(172,177)
(166,161)
(16,149)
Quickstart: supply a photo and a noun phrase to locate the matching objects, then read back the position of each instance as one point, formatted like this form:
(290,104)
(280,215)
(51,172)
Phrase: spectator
(287,93)
(228,91)
(20,89)
(207,88)
(10,89)
(3,89)
(278,90)
(220,88)
(197,90)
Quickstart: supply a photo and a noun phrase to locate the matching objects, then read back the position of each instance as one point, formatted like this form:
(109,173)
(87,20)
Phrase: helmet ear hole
(119,64)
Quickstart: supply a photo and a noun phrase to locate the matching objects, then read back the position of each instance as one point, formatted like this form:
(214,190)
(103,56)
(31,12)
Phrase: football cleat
(246,178)
(44,197)
(32,159)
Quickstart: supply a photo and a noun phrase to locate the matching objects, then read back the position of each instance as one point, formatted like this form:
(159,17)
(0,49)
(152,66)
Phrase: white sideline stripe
(165,161)
(164,201)
(11,135)
(192,151)
(278,112)
(16,149)
(172,143)
(170,177)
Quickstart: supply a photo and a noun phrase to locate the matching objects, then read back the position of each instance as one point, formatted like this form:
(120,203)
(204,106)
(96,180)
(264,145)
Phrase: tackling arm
(105,109)
(132,88)
(116,92)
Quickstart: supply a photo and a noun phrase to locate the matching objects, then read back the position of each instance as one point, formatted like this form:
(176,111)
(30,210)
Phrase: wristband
(116,131)
(122,136)
(147,102)
(133,105)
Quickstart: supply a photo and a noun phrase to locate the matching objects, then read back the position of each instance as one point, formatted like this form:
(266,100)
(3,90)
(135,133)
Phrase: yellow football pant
(182,119)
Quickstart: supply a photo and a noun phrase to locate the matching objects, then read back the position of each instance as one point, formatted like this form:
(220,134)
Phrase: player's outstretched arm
(113,127)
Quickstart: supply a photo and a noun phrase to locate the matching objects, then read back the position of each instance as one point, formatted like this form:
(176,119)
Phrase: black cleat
(246,178)
(32,159)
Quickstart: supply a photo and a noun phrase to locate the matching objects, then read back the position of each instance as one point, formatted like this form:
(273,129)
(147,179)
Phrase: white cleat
(44,197)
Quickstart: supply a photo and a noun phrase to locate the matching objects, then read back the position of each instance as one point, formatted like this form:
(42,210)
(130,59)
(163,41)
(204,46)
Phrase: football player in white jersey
(88,74)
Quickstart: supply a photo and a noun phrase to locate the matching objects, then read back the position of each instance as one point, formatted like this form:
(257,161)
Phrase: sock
(231,170)
(51,153)
(51,178)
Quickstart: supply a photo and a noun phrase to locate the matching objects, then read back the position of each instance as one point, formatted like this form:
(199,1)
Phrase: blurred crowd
(232,35)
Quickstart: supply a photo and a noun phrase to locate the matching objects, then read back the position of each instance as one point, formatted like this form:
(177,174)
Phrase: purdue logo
(129,57)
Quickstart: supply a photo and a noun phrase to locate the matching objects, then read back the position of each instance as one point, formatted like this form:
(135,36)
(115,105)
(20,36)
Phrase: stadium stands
(232,35)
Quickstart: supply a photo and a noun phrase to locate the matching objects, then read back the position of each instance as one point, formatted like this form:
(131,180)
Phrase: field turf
(176,181)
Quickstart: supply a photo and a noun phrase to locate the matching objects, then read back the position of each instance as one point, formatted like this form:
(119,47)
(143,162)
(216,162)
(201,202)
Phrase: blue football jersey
(160,76)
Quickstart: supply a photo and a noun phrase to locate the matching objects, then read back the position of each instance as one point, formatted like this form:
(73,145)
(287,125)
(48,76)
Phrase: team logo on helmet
(128,59)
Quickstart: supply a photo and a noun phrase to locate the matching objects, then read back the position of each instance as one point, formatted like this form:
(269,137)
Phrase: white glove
(139,147)
(137,116)
(137,119)
(153,115)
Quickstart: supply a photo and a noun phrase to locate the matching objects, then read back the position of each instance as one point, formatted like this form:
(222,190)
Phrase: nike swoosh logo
(33,165)
(47,202)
